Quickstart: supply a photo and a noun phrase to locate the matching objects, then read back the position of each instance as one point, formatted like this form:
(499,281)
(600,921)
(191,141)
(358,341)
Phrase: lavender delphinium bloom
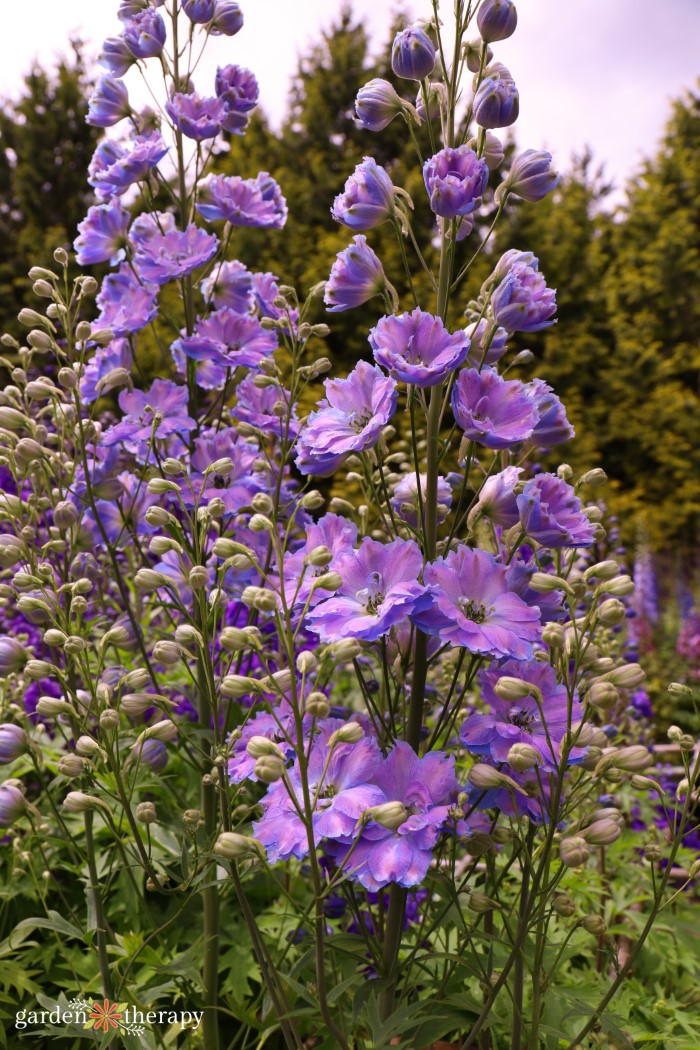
(337,534)
(163,257)
(12,804)
(199,11)
(197,117)
(412,54)
(497,100)
(531,177)
(553,427)
(266,288)
(497,500)
(102,235)
(237,487)
(228,18)
(380,589)
(426,787)
(258,406)
(368,197)
(13,742)
(238,90)
(243,202)
(522,302)
(496,20)
(230,284)
(416,347)
(126,304)
(115,167)
(154,754)
(116,56)
(492,411)
(223,341)
(479,333)
(551,513)
(124,516)
(472,606)
(117,354)
(541,721)
(405,498)
(455,180)
(349,419)
(157,413)
(108,103)
(377,104)
(144,34)
(356,277)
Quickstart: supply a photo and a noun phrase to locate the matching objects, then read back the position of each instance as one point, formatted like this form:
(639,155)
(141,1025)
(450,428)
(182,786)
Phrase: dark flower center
(523,720)
(219,481)
(472,610)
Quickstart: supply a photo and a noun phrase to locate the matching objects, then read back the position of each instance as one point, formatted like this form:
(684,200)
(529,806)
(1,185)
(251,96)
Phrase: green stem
(94,892)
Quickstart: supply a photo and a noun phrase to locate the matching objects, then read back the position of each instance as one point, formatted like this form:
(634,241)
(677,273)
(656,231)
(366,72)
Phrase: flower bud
(312,500)
(480,903)
(629,676)
(87,747)
(260,523)
(198,577)
(350,733)
(319,557)
(260,746)
(679,691)
(37,669)
(74,645)
(71,766)
(611,612)
(269,769)
(146,813)
(553,635)
(345,650)
(619,586)
(136,679)
(602,832)
(602,695)
(235,686)
(512,689)
(13,742)
(632,759)
(564,905)
(594,478)
(232,846)
(547,583)
(594,924)
(674,733)
(574,851)
(687,742)
(389,815)
(51,707)
(317,705)
(377,104)
(167,652)
(12,804)
(412,54)
(165,731)
(330,581)
(522,757)
(11,419)
(259,598)
(472,56)
(109,719)
(602,570)
(79,802)
(496,19)
(487,777)
(13,656)
(306,662)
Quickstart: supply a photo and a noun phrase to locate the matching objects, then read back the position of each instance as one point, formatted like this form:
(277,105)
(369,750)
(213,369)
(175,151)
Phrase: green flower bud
(350,733)
(594,924)
(564,905)
(269,769)
(389,815)
(71,766)
(522,757)
(602,832)
(260,746)
(574,851)
(146,813)
(232,846)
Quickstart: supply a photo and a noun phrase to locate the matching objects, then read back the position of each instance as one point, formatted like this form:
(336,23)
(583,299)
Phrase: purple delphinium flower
(380,589)
(238,90)
(640,703)
(160,412)
(551,513)
(412,54)
(416,347)
(337,534)
(405,498)
(228,18)
(123,517)
(472,606)
(455,180)
(497,100)
(12,804)
(162,257)
(377,104)
(426,787)
(114,166)
(238,486)
(341,790)
(540,721)
(102,234)
(154,754)
(257,406)
(13,741)
(197,117)
(492,411)
(479,333)
(368,197)
(117,354)
(199,11)
(645,600)
(266,289)
(108,103)
(553,427)
(531,176)
(522,302)
(144,34)
(224,341)
(356,276)
(277,725)
(551,606)
(126,304)
(497,500)
(230,284)
(243,202)
(529,798)
(115,56)
(496,20)
(349,419)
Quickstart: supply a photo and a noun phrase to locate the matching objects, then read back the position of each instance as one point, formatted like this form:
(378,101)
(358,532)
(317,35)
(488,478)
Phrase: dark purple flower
(116,354)
(356,276)
(551,514)
(226,340)
(553,427)
(497,500)
(405,502)
(144,34)
(115,56)
(228,18)
(108,103)
(540,720)
(154,754)
(102,234)
(349,419)
(455,180)
(531,176)
(492,411)
(126,304)
(412,54)
(238,89)
(426,788)
(115,167)
(473,607)
(479,334)
(377,104)
(258,406)
(199,11)
(12,804)
(13,742)
(243,202)
(522,302)
(162,257)
(416,347)
(380,589)
(160,413)
(195,116)
(497,100)
(368,197)
(229,284)
(496,20)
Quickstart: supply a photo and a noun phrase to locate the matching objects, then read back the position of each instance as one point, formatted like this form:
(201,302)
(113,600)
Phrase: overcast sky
(596,72)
